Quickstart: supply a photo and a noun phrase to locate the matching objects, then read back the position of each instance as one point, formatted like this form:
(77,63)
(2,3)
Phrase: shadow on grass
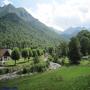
(22,62)
(9,65)
(17,63)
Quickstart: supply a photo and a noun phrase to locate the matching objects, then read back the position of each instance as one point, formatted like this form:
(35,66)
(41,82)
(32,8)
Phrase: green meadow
(65,78)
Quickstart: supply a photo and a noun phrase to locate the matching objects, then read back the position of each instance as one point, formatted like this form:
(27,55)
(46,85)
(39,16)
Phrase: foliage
(65,78)
(36,59)
(39,52)
(64,49)
(30,52)
(55,59)
(50,58)
(19,29)
(40,67)
(34,52)
(4,71)
(84,33)
(84,37)
(25,53)
(24,71)
(15,55)
(61,50)
(74,51)
(51,50)
(84,41)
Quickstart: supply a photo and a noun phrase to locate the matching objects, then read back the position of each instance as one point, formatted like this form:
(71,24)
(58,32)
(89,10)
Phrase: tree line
(75,49)
(26,53)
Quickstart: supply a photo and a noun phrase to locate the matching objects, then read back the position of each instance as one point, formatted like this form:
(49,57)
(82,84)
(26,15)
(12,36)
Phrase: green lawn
(65,78)
(20,63)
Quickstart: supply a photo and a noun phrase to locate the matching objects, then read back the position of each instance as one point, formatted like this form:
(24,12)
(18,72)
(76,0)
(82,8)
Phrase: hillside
(19,28)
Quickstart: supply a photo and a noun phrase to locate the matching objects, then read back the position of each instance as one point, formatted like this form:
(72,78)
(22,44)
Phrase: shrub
(47,63)
(36,59)
(34,52)
(55,59)
(24,71)
(25,53)
(50,58)
(1,72)
(4,71)
(38,68)
(7,71)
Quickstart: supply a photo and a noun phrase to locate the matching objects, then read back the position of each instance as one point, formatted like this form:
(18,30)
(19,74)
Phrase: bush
(24,71)
(38,68)
(55,59)
(50,58)
(34,52)
(7,71)
(1,72)
(36,59)
(58,61)
(47,63)
(4,71)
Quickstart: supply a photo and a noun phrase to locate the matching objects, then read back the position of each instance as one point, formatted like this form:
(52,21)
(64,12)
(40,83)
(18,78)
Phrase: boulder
(54,65)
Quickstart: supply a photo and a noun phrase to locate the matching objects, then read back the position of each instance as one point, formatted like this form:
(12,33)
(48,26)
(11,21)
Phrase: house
(4,55)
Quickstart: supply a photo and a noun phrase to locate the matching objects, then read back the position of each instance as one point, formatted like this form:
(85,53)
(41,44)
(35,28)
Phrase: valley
(34,56)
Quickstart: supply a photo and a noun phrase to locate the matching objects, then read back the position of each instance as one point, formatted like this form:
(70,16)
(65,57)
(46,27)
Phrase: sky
(60,14)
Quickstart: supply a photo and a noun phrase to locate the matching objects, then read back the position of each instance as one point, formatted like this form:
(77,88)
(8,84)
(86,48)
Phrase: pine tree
(74,51)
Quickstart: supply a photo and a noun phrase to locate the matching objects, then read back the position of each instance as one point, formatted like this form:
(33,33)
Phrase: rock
(54,65)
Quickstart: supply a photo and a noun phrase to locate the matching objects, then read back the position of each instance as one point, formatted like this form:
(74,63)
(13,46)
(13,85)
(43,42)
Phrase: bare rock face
(54,65)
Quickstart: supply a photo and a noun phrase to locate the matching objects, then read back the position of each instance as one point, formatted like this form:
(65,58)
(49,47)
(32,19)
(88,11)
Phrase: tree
(89,47)
(58,51)
(51,50)
(15,55)
(25,53)
(30,54)
(82,33)
(74,51)
(84,38)
(38,52)
(34,52)
(64,49)
(35,56)
(36,59)
(84,42)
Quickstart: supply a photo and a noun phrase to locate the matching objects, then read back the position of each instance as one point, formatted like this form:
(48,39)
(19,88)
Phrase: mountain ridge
(17,29)
(72,31)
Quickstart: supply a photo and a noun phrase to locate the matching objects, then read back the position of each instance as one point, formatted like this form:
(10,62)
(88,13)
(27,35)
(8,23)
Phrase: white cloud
(63,15)
(60,14)
(6,2)
(45,13)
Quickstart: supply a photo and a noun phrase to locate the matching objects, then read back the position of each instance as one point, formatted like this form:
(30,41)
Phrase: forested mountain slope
(19,28)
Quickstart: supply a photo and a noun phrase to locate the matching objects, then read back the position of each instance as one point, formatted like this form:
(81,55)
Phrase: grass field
(21,62)
(65,78)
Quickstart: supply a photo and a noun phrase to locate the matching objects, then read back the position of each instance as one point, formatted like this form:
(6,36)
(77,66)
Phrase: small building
(4,55)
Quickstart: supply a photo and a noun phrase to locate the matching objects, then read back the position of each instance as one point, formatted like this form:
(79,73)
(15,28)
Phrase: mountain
(72,31)
(20,29)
